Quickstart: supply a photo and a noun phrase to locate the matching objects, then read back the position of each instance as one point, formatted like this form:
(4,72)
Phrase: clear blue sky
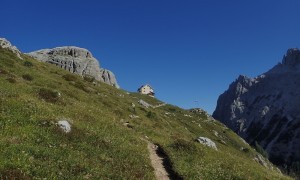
(188,50)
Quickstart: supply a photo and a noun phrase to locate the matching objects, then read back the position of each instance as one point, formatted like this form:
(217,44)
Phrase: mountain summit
(292,57)
(265,109)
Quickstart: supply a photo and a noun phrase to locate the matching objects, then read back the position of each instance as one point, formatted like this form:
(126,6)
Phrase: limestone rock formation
(266,109)
(144,103)
(76,60)
(4,43)
(207,142)
(108,77)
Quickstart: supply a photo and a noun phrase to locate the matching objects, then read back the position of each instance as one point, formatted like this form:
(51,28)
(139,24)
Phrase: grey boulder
(207,142)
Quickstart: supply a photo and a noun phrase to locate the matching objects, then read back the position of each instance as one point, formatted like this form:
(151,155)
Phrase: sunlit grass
(99,145)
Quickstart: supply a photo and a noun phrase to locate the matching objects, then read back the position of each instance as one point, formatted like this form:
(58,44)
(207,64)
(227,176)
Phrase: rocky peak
(246,81)
(76,60)
(292,57)
(72,51)
(4,43)
(265,109)
(241,84)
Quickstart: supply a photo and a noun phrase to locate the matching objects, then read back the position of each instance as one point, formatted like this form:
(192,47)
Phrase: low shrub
(27,77)
(171,109)
(49,95)
(142,109)
(83,87)
(246,150)
(132,110)
(70,77)
(3,71)
(11,80)
(151,115)
(28,64)
(89,78)
(13,173)
(183,145)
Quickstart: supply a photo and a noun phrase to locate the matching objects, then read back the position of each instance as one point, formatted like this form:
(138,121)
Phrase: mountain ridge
(265,109)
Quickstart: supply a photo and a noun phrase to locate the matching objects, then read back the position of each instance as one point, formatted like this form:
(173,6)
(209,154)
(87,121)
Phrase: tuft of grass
(11,80)
(70,77)
(246,150)
(3,71)
(27,77)
(183,145)
(13,173)
(49,95)
(28,64)
(83,86)
(151,115)
(89,78)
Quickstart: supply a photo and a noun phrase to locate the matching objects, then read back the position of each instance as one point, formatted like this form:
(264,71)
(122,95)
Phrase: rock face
(76,60)
(266,109)
(4,43)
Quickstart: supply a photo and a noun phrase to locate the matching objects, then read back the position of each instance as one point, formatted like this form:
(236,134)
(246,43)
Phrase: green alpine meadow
(58,125)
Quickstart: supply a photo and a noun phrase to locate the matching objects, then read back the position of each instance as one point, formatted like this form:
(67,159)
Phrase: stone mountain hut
(146,89)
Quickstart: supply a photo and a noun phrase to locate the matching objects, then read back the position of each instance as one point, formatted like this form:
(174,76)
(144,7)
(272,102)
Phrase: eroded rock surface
(266,109)
(4,43)
(207,142)
(76,60)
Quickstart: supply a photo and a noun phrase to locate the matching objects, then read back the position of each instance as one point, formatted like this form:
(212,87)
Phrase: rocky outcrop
(207,142)
(4,43)
(108,77)
(266,109)
(76,60)
(144,103)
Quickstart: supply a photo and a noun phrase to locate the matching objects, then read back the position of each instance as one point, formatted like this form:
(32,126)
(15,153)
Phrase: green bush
(89,78)
(13,173)
(11,80)
(70,77)
(28,64)
(3,71)
(82,86)
(171,109)
(118,113)
(27,77)
(143,109)
(246,150)
(49,95)
(151,115)
(132,110)
(183,145)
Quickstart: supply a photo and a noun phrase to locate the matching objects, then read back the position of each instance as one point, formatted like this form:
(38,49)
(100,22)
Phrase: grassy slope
(99,145)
